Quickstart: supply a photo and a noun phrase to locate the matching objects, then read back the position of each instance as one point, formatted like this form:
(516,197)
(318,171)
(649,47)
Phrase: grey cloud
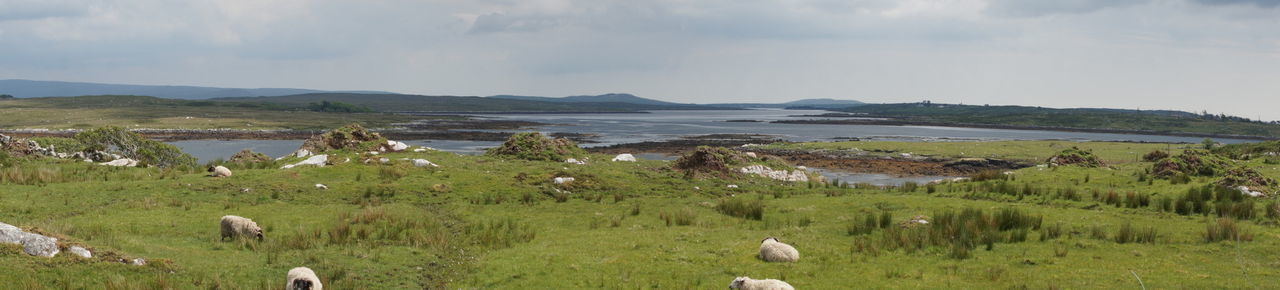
(1259,3)
(1023,8)
(26,10)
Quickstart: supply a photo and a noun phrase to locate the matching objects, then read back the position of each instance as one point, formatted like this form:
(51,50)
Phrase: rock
(563,180)
(318,160)
(784,175)
(32,244)
(423,163)
(753,155)
(624,158)
(300,153)
(373,153)
(383,160)
(1246,191)
(731,186)
(395,146)
(138,262)
(80,252)
(126,162)
(321,186)
(38,245)
(575,161)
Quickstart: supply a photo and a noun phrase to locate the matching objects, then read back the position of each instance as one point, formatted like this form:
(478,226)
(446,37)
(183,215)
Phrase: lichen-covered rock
(394,146)
(423,163)
(534,146)
(122,162)
(32,244)
(318,160)
(783,175)
(80,252)
(624,158)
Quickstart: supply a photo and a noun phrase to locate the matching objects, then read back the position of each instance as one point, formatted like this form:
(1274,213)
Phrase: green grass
(488,222)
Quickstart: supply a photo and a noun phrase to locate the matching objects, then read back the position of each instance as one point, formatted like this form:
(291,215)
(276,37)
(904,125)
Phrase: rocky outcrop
(318,160)
(783,175)
(32,244)
(122,162)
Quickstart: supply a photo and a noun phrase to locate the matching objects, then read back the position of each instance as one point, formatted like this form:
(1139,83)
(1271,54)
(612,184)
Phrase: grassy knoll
(148,112)
(490,222)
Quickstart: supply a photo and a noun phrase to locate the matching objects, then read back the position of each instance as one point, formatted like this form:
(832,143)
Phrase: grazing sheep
(752,284)
(302,278)
(771,250)
(233,226)
(219,171)
(321,186)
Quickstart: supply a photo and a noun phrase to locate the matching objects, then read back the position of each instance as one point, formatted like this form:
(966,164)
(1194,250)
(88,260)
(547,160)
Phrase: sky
(1221,56)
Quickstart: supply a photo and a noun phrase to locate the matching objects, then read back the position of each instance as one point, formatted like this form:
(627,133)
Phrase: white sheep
(302,278)
(233,226)
(219,171)
(771,250)
(321,186)
(752,284)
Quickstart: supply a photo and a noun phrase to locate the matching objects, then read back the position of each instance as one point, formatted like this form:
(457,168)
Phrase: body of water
(666,125)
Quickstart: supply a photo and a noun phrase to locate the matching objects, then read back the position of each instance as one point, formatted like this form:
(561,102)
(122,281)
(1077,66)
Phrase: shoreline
(1021,127)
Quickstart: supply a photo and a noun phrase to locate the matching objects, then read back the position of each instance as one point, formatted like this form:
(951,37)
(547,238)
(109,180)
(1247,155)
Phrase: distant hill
(650,104)
(420,103)
(798,104)
(1153,121)
(35,89)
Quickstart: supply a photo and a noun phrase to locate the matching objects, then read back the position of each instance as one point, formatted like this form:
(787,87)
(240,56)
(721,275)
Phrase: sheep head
(302,284)
(737,282)
(769,238)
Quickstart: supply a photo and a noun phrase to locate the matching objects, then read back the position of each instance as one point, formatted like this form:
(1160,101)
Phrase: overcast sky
(1215,55)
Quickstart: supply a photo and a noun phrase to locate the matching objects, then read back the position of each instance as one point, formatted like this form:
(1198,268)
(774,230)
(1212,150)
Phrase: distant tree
(1208,143)
(337,107)
(2,97)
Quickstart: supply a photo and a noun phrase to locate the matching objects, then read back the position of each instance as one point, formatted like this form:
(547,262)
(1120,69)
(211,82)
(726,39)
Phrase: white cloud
(1127,53)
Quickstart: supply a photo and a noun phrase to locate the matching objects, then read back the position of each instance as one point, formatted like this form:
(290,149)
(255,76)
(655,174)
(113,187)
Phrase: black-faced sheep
(233,226)
(302,278)
(219,171)
(771,250)
(747,283)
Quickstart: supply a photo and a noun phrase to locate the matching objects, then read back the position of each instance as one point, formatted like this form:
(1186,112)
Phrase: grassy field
(156,113)
(488,222)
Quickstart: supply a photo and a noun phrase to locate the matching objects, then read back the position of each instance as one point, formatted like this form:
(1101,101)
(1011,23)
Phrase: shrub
(134,146)
(737,207)
(1154,156)
(681,217)
(864,225)
(1224,229)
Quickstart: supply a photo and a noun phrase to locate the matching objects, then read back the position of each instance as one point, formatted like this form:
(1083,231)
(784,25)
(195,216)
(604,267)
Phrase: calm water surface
(665,125)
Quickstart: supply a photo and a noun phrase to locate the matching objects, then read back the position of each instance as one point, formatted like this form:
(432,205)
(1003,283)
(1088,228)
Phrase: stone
(318,160)
(624,158)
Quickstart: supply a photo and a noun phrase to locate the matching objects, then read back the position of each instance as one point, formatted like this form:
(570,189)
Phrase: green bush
(134,146)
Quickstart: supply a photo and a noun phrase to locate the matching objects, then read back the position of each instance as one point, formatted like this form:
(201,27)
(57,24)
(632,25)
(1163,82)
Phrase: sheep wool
(302,278)
(219,171)
(746,283)
(233,226)
(771,250)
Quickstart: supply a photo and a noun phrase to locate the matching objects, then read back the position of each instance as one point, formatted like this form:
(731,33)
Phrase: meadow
(498,222)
